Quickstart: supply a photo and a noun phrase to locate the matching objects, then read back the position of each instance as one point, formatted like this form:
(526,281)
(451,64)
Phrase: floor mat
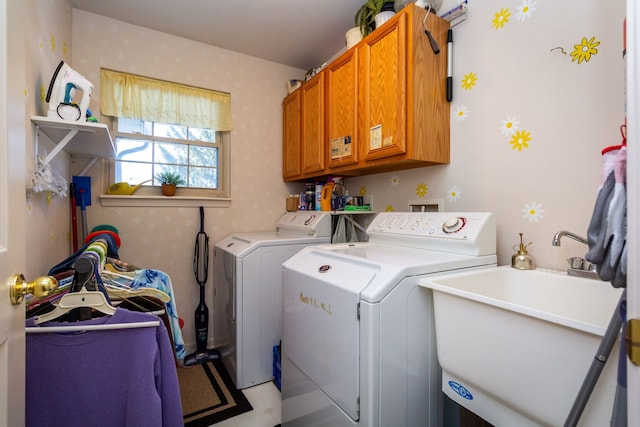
(208,395)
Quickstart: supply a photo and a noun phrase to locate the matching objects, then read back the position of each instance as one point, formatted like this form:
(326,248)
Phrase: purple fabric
(121,377)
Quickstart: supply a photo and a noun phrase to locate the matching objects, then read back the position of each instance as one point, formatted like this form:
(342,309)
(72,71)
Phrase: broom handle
(597,364)
(74,218)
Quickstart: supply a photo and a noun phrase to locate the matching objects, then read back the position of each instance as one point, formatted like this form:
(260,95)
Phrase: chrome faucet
(559,234)
(576,264)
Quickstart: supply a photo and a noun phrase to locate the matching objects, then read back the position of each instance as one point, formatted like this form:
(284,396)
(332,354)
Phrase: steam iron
(62,91)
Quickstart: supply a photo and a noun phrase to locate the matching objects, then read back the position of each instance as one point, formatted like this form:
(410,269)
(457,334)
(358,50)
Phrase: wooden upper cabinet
(292,137)
(382,91)
(341,109)
(404,117)
(381,106)
(313,125)
(303,127)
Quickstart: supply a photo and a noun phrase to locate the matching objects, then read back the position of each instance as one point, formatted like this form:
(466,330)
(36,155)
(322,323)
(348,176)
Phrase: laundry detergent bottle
(325,197)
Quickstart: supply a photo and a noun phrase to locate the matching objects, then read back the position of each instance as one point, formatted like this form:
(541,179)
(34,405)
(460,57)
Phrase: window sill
(109,200)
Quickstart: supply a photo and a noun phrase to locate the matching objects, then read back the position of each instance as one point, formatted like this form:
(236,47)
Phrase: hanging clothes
(107,378)
(148,278)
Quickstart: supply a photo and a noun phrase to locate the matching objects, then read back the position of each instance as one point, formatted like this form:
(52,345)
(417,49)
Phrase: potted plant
(169,181)
(365,16)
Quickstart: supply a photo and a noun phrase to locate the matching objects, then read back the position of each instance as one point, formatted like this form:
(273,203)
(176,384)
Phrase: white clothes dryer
(247,284)
(358,345)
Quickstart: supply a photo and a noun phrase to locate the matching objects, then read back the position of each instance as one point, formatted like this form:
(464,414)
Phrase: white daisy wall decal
(394,180)
(461,113)
(533,211)
(509,126)
(454,193)
(525,10)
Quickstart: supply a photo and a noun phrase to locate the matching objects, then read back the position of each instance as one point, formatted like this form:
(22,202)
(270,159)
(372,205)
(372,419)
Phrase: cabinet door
(382,73)
(291,136)
(341,108)
(313,125)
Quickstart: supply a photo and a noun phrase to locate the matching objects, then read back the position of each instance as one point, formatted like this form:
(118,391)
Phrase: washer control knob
(453,224)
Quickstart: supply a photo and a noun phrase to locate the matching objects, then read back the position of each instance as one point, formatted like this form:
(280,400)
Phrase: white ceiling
(300,33)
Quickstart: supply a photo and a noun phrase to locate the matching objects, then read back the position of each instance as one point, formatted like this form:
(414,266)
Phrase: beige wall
(163,237)
(571,111)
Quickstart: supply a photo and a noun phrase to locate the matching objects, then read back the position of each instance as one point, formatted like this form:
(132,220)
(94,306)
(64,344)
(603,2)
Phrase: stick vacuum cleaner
(201,270)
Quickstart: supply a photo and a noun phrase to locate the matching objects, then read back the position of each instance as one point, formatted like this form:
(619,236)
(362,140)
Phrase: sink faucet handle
(576,262)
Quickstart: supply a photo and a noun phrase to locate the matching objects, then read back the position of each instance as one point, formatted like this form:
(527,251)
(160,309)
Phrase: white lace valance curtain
(137,97)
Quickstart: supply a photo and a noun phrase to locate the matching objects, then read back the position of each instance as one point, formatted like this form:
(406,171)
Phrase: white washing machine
(358,342)
(247,284)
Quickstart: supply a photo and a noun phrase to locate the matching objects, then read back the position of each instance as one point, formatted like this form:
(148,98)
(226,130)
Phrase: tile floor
(265,399)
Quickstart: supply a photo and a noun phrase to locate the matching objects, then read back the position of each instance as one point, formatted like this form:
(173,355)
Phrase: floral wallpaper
(538,93)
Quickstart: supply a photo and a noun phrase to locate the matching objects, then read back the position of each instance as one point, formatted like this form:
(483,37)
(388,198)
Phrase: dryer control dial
(453,224)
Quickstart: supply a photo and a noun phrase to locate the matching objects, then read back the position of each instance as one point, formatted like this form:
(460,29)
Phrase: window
(162,126)
(146,148)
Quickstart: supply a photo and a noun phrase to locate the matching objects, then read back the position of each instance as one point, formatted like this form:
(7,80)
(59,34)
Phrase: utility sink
(516,345)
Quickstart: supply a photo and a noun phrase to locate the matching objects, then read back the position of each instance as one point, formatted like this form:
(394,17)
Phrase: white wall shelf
(83,139)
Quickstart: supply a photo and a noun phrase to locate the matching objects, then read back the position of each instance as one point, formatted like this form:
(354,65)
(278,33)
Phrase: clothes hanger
(81,328)
(111,268)
(137,292)
(623,133)
(123,292)
(84,298)
(85,268)
(139,307)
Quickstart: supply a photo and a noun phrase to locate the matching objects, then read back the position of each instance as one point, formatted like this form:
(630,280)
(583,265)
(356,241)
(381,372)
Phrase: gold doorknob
(19,287)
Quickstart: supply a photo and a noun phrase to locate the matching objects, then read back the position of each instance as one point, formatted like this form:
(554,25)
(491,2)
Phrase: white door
(12,206)
(633,186)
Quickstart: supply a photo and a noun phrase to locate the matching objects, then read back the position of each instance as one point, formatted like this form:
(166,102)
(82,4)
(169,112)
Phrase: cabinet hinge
(358,316)
(632,340)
